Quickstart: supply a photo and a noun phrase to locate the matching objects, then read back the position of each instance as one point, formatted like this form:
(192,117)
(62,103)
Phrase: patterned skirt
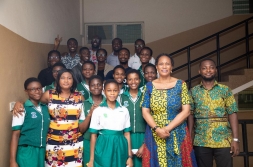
(64,154)
(176,150)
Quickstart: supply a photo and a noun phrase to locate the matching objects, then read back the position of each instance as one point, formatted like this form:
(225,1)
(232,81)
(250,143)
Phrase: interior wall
(20,59)
(161,18)
(42,21)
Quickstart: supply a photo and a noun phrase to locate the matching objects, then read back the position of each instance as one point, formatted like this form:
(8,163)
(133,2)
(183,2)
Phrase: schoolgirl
(88,69)
(29,130)
(131,99)
(112,147)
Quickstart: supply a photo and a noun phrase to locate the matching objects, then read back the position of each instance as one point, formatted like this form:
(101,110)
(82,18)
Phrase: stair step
(238,80)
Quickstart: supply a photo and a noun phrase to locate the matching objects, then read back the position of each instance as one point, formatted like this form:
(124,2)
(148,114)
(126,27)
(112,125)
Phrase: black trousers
(205,156)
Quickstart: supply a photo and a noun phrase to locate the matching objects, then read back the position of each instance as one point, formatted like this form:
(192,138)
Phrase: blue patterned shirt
(70,61)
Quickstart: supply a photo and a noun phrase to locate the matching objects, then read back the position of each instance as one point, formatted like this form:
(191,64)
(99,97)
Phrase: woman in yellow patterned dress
(64,141)
(165,108)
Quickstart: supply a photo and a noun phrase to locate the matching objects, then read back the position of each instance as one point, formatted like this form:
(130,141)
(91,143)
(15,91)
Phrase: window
(128,32)
(242,6)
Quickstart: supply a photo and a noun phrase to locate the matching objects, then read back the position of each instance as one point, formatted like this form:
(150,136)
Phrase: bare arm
(45,97)
(190,122)
(129,160)
(57,42)
(86,123)
(93,140)
(234,125)
(148,117)
(179,118)
(161,132)
(13,148)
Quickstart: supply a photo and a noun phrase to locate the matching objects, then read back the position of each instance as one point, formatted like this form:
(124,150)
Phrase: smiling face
(133,81)
(119,75)
(53,58)
(72,46)
(95,42)
(111,91)
(164,66)
(145,56)
(88,70)
(96,86)
(123,56)
(34,91)
(116,45)
(207,70)
(138,46)
(101,56)
(85,55)
(150,74)
(66,80)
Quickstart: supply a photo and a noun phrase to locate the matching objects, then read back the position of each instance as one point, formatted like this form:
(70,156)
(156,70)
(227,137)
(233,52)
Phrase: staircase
(238,78)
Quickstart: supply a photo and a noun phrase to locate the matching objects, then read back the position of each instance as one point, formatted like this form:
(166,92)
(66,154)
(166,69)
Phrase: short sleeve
(95,123)
(191,102)
(230,103)
(185,99)
(146,97)
(127,127)
(82,116)
(17,122)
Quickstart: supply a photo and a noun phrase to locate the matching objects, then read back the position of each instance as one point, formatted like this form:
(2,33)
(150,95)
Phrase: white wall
(162,18)
(41,20)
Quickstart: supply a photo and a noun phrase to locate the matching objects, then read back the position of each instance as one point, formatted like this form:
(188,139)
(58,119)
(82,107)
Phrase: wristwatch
(236,140)
(154,128)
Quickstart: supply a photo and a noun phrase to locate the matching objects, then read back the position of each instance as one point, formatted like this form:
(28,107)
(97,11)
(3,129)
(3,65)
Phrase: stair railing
(218,49)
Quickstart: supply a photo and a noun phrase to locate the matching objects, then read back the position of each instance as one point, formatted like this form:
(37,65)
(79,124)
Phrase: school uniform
(143,81)
(111,148)
(86,136)
(33,126)
(83,88)
(138,123)
(51,86)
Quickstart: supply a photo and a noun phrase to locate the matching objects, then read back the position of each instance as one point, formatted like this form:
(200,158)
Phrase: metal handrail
(246,153)
(217,50)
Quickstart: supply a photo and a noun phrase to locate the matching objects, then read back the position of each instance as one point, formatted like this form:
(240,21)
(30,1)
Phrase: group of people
(90,109)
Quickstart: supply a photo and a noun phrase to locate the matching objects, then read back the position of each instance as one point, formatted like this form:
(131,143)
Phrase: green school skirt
(111,149)
(86,151)
(137,140)
(30,156)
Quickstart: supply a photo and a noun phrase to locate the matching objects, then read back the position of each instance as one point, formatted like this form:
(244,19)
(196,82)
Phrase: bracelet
(130,156)
(236,140)
(154,128)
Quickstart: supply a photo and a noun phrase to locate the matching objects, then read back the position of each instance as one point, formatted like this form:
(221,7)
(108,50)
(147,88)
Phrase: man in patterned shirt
(214,118)
(72,58)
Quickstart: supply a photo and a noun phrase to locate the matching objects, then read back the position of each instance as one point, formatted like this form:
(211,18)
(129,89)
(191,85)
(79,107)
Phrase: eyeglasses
(95,40)
(102,54)
(54,57)
(139,46)
(34,89)
(55,71)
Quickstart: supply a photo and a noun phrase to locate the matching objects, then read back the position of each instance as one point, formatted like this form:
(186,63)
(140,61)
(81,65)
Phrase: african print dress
(65,143)
(176,150)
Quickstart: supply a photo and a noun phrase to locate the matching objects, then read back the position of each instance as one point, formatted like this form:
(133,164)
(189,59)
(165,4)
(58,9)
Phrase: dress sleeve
(230,102)
(127,127)
(185,99)
(145,97)
(95,122)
